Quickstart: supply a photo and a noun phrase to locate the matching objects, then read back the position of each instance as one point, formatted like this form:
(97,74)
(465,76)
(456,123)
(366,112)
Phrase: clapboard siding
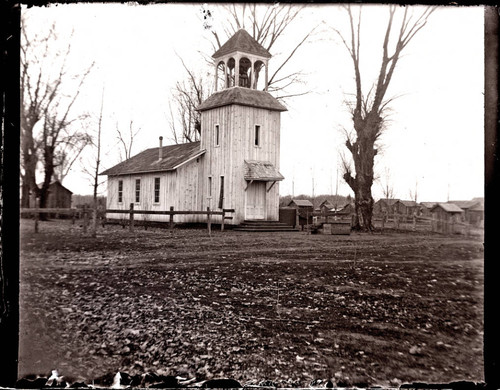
(177,188)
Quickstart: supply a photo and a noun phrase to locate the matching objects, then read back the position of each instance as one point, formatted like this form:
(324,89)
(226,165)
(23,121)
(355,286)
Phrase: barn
(235,165)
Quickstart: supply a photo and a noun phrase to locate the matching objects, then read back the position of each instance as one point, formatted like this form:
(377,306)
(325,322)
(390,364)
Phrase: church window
(120,191)
(137,190)
(157,190)
(257,135)
(217,135)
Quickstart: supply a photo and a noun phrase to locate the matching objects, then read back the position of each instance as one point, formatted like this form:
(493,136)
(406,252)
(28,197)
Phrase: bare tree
(97,166)
(267,24)
(369,110)
(47,133)
(185,122)
(92,167)
(414,193)
(387,185)
(126,139)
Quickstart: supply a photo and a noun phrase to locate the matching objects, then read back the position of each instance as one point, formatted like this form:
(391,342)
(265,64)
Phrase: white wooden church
(235,165)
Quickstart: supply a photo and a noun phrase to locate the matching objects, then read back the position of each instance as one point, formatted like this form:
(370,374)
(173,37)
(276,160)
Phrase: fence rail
(87,212)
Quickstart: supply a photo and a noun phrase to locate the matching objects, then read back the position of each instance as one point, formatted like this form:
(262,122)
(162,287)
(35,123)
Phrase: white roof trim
(188,160)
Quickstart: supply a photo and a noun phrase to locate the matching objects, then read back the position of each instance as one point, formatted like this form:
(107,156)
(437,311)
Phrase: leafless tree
(369,110)
(414,193)
(126,139)
(387,185)
(267,24)
(185,121)
(47,121)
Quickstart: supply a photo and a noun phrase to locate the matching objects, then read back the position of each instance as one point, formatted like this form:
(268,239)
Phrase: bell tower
(241,62)
(240,134)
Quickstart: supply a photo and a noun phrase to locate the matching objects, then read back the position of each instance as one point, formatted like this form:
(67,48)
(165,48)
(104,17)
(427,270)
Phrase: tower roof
(243,97)
(242,41)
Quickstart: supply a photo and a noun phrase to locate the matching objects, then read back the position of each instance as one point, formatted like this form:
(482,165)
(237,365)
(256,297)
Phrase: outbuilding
(446,218)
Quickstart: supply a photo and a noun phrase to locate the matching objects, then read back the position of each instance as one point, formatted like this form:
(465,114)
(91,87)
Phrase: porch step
(264,226)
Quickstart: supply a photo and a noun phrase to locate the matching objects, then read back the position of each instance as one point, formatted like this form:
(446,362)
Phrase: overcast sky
(434,137)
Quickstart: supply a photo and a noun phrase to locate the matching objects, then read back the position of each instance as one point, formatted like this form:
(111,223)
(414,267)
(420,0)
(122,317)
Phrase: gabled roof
(464,204)
(428,204)
(387,201)
(477,207)
(409,203)
(53,183)
(301,202)
(448,207)
(327,204)
(262,171)
(148,161)
(242,96)
(242,41)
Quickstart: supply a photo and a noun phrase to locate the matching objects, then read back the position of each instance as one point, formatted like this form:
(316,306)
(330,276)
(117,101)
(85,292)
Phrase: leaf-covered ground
(287,307)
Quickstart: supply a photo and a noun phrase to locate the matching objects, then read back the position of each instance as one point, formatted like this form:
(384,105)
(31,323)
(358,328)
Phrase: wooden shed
(447,218)
(406,207)
(426,207)
(304,210)
(476,215)
(385,206)
(58,196)
(326,206)
(302,205)
(473,209)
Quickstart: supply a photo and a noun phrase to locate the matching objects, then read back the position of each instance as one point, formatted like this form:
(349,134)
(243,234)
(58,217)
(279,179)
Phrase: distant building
(58,196)
(304,209)
(385,206)
(302,204)
(406,207)
(326,206)
(425,208)
(445,217)
(473,210)
(348,209)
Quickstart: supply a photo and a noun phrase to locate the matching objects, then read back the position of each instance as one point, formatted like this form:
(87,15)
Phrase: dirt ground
(287,307)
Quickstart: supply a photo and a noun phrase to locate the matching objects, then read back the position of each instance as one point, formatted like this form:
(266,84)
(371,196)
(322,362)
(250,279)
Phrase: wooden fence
(87,212)
(397,222)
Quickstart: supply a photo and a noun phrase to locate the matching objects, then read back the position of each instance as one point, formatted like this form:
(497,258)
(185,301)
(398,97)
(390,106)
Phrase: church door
(256,200)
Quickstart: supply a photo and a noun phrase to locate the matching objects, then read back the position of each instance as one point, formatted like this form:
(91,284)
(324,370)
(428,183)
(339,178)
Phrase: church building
(235,165)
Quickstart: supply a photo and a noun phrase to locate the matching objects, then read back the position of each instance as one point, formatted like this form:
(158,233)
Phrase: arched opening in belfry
(245,73)
(220,76)
(231,64)
(259,75)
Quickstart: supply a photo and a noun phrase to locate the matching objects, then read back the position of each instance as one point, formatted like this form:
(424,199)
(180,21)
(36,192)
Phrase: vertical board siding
(237,126)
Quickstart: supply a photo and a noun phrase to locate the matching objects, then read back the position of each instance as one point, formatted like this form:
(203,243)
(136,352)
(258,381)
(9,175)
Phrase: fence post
(131,218)
(223,217)
(209,221)
(171,222)
(37,216)
(73,217)
(85,218)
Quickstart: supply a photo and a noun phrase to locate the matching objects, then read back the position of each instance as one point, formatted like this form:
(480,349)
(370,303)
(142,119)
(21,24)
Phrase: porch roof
(261,171)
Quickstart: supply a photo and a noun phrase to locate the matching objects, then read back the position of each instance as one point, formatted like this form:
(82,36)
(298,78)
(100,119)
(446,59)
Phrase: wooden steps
(264,226)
